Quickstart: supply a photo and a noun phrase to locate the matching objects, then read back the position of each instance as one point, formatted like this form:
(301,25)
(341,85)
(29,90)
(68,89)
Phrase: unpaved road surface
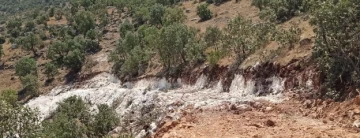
(262,120)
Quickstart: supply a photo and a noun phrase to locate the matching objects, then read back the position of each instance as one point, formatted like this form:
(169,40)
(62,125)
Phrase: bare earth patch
(267,120)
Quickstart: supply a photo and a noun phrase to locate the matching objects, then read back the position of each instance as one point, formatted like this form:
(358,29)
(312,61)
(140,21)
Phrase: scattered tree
(50,70)
(74,60)
(29,26)
(84,22)
(26,66)
(30,84)
(288,37)
(173,15)
(51,12)
(30,43)
(156,14)
(105,120)
(204,12)
(126,27)
(58,15)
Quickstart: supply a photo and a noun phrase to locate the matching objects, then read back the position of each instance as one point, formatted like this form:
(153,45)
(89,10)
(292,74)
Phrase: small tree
(244,37)
(125,27)
(70,119)
(104,20)
(58,15)
(92,34)
(9,96)
(289,37)
(29,26)
(13,24)
(74,107)
(156,14)
(26,66)
(173,15)
(172,50)
(18,121)
(31,42)
(14,27)
(64,127)
(74,60)
(213,37)
(42,20)
(336,46)
(57,52)
(204,12)
(84,22)
(51,12)
(105,120)
(50,70)
(30,84)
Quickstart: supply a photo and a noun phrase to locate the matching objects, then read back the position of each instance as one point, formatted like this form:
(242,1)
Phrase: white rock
(356,123)
(268,109)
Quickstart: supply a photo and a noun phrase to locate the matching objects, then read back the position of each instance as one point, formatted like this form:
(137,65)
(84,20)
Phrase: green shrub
(204,12)
(214,57)
(74,107)
(57,52)
(284,9)
(104,20)
(30,84)
(172,51)
(288,37)
(156,14)
(50,70)
(58,15)
(42,34)
(18,121)
(26,66)
(105,120)
(336,45)
(91,34)
(173,15)
(84,22)
(29,26)
(64,127)
(9,96)
(245,37)
(42,19)
(213,37)
(51,12)
(126,27)
(74,60)
(30,42)
(70,119)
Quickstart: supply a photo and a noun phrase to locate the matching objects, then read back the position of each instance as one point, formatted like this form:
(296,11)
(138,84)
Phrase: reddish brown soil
(288,119)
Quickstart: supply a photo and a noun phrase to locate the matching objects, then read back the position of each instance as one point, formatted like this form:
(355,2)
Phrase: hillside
(171,68)
(13,7)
